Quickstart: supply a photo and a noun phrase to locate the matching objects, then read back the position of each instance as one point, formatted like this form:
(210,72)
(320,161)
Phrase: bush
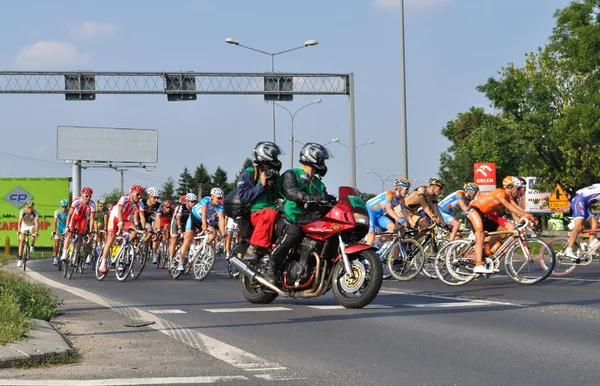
(13,323)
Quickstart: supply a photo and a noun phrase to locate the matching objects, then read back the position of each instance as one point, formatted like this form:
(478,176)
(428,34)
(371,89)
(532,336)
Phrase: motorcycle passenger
(257,186)
(300,187)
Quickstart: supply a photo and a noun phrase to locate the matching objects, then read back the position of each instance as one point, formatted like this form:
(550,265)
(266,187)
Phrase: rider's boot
(272,272)
(251,255)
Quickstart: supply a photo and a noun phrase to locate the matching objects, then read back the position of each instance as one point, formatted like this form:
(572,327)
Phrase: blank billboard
(102,144)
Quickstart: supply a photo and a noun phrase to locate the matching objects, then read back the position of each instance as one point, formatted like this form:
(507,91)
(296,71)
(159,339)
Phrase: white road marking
(339,307)
(248,309)
(122,381)
(398,292)
(167,311)
(220,350)
(443,305)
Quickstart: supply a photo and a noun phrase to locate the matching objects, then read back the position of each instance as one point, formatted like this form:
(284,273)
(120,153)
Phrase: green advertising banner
(45,193)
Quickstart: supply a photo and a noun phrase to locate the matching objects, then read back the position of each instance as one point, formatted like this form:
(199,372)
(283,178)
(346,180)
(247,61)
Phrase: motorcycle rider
(257,187)
(302,190)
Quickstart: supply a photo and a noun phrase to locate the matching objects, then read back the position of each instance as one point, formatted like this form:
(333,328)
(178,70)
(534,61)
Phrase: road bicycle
(585,255)
(26,248)
(527,259)
(73,261)
(403,255)
(200,258)
(162,252)
(122,257)
(432,239)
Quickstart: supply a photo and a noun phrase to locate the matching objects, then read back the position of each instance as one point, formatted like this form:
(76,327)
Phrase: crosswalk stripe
(248,309)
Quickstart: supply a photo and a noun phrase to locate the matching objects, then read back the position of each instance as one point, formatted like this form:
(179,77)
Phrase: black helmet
(314,155)
(266,153)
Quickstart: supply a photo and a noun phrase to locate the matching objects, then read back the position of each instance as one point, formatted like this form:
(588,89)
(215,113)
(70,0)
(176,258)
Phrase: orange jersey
(490,202)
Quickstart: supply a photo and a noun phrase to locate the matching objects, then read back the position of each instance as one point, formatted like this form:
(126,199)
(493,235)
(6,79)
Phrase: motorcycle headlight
(361,218)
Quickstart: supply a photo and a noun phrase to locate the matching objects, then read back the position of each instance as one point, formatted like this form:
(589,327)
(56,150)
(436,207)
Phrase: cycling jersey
(61,222)
(129,207)
(165,213)
(490,202)
(377,209)
(28,218)
(82,210)
(195,220)
(100,215)
(451,203)
(150,210)
(412,201)
(584,198)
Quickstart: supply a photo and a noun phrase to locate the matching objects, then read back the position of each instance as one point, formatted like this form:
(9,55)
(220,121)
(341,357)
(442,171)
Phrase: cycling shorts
(448,218)
(78,224)
(497,219)
(480,222)
(381,221)
(113,224)
(26,229)
(193,223)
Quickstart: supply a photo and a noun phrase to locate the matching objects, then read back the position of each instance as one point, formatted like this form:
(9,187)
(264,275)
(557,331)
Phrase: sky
(452,46)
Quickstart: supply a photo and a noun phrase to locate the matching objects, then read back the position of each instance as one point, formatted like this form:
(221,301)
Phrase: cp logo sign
(18,197)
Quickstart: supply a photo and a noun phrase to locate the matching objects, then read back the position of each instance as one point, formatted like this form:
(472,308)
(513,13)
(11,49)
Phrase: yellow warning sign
(558,199)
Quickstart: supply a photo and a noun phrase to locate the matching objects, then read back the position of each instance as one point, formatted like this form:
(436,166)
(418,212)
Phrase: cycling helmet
(471,186)
(217,192)
(436,181)
(314,155)
(266,153)
(509,181)
(87,190)
(63,202)
(167,203)
(30,203)
(402,182)
(191,197)
(101,201)
(136,189)
(152,191)
(182,199)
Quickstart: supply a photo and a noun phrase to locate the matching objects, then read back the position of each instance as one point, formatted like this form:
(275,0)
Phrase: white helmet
(266,153)
(101,201)
(217,192)
(191,197)
(152,191)
(315,155)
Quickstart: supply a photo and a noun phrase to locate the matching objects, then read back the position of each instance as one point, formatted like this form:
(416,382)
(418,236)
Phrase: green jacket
(295,189)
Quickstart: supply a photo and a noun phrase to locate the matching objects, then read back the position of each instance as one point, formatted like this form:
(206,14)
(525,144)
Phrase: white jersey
(589,191)
(129,207)
(82,210)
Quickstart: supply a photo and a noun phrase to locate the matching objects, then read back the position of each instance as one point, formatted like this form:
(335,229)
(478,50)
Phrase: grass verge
(51,360)
(21,301)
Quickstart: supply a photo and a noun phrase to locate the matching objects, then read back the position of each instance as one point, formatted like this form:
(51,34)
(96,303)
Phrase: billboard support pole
(76,178)
(122,181)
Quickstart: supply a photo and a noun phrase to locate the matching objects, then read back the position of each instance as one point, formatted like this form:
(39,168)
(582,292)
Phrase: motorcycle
(329,257)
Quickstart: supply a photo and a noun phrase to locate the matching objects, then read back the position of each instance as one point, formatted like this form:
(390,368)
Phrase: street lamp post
(403,134)
(292,140)
(308,43)
(337,140)
(383,180)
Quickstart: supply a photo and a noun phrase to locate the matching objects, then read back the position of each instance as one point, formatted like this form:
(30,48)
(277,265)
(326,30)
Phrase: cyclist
(120,217)
(60,224)
(424,197)
(198,219)
(490,203)
(580,205)
(81,209)
(182,213)
(381,209)
(231,228)
(29,222)
(100,221)
(457,200)
(257,187)
(164,216)
(151,206)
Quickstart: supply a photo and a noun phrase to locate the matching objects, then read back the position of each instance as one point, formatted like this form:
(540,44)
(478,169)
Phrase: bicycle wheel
(173,271)
(100,276)
(428,269)
(80,263)
(73,259)
(204,262)
(564,265)
(405,259)
(531,262)
(125,263)
(139,261)
(233,272)
(454,262)
(25,258)
(65,263)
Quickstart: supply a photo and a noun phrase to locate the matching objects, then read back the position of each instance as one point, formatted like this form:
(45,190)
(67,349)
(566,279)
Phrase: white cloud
(50,55)
(93,29)
(409,4)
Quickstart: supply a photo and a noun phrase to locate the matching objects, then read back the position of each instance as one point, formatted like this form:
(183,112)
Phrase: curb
(43,341)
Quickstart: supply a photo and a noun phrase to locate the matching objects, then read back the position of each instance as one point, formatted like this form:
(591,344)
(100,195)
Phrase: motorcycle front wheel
(362,287)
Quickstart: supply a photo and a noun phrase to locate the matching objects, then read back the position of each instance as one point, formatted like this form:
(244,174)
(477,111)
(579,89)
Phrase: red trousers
(263,222)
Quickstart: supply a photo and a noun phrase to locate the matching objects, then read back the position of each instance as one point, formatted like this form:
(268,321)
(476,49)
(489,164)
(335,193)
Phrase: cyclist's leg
(111,229)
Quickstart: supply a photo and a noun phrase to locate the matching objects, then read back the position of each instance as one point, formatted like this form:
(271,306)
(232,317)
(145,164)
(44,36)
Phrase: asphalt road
(422,332)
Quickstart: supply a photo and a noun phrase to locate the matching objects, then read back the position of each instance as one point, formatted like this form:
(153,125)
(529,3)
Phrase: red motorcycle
(330,256)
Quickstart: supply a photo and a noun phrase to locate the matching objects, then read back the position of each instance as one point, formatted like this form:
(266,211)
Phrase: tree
(186,183)
(168,190)
(113,196)
(219,178)
(233,184)
(201,176)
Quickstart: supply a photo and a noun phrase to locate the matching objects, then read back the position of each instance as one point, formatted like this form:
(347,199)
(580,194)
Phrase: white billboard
(102,144)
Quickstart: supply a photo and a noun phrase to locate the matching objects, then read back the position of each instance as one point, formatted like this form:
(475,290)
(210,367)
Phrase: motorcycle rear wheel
(254,292)
(359,291)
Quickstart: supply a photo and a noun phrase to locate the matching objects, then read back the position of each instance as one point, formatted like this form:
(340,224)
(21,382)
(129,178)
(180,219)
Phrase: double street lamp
(308,43)
(292,140)
(384,180)
(337,140)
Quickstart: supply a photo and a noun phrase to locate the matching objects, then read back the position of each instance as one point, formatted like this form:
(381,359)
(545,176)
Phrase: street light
(292,140)
(403,135)
(337,140)
(383,180)
(308,43)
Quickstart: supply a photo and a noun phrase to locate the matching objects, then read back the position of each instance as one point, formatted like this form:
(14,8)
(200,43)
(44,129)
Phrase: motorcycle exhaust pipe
(252,275)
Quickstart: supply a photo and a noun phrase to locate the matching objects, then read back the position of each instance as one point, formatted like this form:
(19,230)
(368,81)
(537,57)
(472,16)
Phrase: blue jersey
(589,195)
(378,203)
(210,208)
(62,220)
(451,202)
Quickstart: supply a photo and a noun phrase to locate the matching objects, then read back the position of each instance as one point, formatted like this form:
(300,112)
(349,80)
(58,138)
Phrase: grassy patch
(51,360)
(5,259)
(20,301)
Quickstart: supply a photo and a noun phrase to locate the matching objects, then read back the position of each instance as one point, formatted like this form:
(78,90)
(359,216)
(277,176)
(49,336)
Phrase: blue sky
(451,47)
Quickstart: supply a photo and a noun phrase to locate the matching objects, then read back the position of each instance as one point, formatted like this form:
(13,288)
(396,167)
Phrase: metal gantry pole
(76,178)
(403,133)
(352,131)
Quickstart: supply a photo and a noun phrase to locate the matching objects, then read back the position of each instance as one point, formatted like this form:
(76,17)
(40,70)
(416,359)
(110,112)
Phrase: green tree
(113,196)
(186,183)
(202,176)
(168,190)
(219,178)
(233,184)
